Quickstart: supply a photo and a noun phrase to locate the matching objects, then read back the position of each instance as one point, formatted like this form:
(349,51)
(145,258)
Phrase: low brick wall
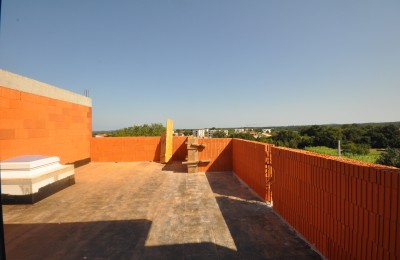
(251,163)
(219,151)
(179,150)
(125,149)
(347,209)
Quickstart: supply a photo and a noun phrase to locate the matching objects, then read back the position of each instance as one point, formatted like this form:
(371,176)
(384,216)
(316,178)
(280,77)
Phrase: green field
(371,157)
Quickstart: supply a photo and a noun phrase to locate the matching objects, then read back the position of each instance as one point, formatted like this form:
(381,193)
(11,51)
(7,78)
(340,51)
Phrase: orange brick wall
(251,163)
(125,149)
(219,151)
(179,150)
(132,149)
(35,125)
(347,209)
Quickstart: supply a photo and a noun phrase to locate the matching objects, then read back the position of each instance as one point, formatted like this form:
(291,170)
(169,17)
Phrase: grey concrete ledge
(24,84)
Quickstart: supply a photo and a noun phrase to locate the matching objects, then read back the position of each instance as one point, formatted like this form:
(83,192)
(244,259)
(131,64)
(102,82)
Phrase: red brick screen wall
(251,162)
(347,209)
(219,151)
(35,125)
(125,149)
(132,149)
(179,150)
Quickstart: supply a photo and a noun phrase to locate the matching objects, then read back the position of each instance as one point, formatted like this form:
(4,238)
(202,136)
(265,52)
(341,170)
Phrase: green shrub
(359,149)
(391,157)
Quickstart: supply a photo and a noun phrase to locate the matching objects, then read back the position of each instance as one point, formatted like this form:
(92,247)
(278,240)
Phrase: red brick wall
(179,150)
(347,209)
(37,125)
(125,149)
(219,151)
(133,149)
(251,163)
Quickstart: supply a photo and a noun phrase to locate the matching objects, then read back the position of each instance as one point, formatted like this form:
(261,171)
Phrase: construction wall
(126,149)
(134,149)
(39,119)
(179,150)
(347,209)
(219,151)
(252,164)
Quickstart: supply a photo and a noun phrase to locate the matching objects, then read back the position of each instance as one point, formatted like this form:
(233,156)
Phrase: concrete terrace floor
(147,210)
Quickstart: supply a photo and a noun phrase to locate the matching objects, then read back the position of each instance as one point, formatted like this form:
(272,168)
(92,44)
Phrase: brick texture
(179,150)
(347,209)
(125,149)
(37,125)
(219,151)
(251,162)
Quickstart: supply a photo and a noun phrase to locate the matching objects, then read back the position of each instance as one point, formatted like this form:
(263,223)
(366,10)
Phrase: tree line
(154,129)
(356,139)
(353,137)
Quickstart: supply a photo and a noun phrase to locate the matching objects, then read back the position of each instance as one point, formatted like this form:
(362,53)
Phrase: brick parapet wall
(252,164)
(346,208)
(219,152)
(125,149)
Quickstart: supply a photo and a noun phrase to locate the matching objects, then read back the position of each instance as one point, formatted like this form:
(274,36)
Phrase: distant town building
(199,133)
(239,130)
(100,135)
(253,133)
(211,133)
(267,131)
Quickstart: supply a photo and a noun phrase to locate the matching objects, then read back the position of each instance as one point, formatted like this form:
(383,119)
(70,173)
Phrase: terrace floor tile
(147,210)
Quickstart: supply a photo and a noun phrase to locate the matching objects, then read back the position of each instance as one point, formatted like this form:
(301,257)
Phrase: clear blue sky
(212,63)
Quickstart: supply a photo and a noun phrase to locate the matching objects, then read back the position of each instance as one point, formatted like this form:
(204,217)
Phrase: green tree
(383,136)
(306,141)
(141,130)
(286,138)
(187,132)
(359,149)
(391,157)
(265,139)
(245,136)
(354,134)
(219,134)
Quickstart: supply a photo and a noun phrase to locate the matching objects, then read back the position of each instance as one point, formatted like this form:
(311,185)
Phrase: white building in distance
(239,130)
(199,133)
(210,133)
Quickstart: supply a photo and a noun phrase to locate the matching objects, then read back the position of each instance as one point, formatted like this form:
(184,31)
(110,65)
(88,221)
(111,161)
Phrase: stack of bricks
(347,209)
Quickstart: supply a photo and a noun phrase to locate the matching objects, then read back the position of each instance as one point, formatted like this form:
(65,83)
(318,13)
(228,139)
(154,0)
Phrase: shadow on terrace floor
(97,240)
(175,166)
(254,227)
(140,211)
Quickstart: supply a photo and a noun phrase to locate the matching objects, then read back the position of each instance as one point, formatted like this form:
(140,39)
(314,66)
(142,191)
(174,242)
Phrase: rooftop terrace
(147,210)
(137,208)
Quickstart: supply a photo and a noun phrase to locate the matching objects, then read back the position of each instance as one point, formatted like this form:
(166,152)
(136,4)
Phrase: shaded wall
(32,124)
(219,151)
(251,163)
(348,209)
(125,149)
(179,150)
